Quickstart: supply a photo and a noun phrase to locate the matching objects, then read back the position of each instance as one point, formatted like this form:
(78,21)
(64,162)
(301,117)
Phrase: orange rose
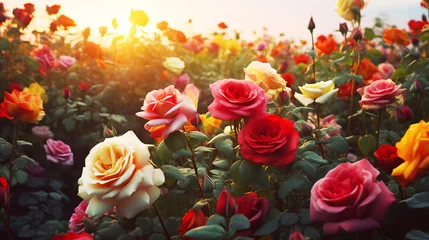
(23,106)
(326,45)
(414,150)
(366,70)
(65,21)
(394,35)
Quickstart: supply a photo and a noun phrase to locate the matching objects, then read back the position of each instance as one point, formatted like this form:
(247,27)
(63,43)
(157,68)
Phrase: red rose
(73,236)
(14,86)
(345,91)
(4,192)
(53,26)
(262,58)
(54,9)
(234,99)
(302,58)
(289,78)
(192,219)
(83,86)
(254,208)
(225,205)
(65,21)
(269,140)
(29,8)
(222,25)
(387,157)
(416,26)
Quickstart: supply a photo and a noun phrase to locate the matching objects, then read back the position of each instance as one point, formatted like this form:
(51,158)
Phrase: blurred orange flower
(262,58)
(222,25)
(29,8)
(93,50)
(23,106)
(326,45)
(366,70)
(54,9)
(162,25)
(394,35)
(65,21)
(138,17)
(301,58)
(275,52)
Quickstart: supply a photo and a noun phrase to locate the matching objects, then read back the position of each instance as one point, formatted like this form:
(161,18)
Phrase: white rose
(174,64)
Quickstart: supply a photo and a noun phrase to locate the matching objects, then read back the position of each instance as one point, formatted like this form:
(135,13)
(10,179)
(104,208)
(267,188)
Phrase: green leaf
(163,152)
(55,195)
(175,141)
(59,112)
(311,233)
(216,220)
(219,137)
(69,124)
(367,144)
(145,224)
(157,236)
(304,215)
(4,44)
(221,164)
(357,78)
(338,144)
(21,176)
(199,136)
(314,157)
(308,146)
(373,53)
(21,162)
(416,235)
(173,172)
(204,149)
(288,219)
(224,146)
(369,33)
(208,232)
(239,222)
(418,200)
(298,182)
(248,172)
(200,204)
(340,80)
(267,228)
(399,73)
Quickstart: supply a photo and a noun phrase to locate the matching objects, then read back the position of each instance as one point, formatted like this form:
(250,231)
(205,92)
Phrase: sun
(124,25)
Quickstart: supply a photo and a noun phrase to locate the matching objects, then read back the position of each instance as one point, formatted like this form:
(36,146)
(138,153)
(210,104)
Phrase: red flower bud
(66,93)
(415,42)
(191,220)
(343,28)
(83,86)
(29,8)
(416,87)
(222,25)
(86,33)
(53,26)
(311,25)
(4,192)
(283,67)
(404,114)
(54,9)
(424,18)
(297,235)
(225,204)
(357,35)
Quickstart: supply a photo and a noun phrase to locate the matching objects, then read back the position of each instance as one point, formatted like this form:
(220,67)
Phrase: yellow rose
(233,46)
(117,173)
(174,64)
(414,150)
(210,124)
(264,76)
(345,8)
(320,92)
(35,88)
(219,40)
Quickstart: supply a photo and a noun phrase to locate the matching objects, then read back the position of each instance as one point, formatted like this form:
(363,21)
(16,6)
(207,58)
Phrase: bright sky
(287,16)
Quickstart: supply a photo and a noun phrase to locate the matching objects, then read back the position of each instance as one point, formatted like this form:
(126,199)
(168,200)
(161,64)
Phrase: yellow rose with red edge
(22,106)
(414,150)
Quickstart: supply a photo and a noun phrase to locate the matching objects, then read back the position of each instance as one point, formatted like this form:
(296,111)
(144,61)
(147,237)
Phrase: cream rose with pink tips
(118,174)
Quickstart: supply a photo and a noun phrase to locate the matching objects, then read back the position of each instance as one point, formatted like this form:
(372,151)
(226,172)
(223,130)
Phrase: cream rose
(117,173)
(174,64)
(264,76)
(345,8)
(320,92)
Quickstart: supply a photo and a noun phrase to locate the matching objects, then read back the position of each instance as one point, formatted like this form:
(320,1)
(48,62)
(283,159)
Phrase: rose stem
(380,111)
(195,168)
(352,92)
(313,75)
(161,221)
(401,191)
(318,130)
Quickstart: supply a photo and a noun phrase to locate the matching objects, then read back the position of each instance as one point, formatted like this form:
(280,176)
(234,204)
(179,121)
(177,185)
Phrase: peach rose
(118,174)
(22,106)
(379,94)
(167,108)
(414,150)
(264,76)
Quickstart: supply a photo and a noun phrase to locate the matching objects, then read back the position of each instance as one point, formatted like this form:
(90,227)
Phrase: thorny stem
(195,168)
(161,221)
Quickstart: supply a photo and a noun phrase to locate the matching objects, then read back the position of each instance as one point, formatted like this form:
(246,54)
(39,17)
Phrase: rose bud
(415,42)
(4,193)
(357,35)
(261,46)
(109,132)
(283,98)
(306,130)
(196,121)
(225,204)
(343,28)
(86,33)
(53,26)
(283,67)
(297,235)
(191,220)
(66,93)
(404,114)
(387,157)
(424,18)
(311,25)
(416,87)
(207,183)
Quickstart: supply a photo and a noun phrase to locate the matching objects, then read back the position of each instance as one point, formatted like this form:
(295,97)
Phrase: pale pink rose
(385,71)
(379,94)
(66,62)
(235,99)
(326,122)
(182,80)
(42,132)
(58,152)
(349,199)
(46,59)
(167,107)
(118,175)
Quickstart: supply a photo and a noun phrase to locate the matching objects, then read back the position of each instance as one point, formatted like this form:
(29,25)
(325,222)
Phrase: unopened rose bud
(53,27)
(306,130)
(261,46)
(66,93)
(357,35)
(415,42)
(404,114)
(283,67)
(424,18)
(311,25)
(207,183)
(283,98)
(344,29)
(225,204)
(416,87)
(109,132)
(196,121)
(297,235)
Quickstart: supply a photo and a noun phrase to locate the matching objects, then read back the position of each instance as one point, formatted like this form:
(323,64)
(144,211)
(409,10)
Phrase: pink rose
(326,122)
(182,80)
(66,62)
(379,94)
(46,59)
(349,199)
(234,99)
(385,71)
(167,108)
(58,152)
(76,219)
(42,132)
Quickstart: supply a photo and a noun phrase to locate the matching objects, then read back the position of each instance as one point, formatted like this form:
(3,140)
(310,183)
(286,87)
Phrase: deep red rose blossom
(73,236)
(4,192)
(225,204)
(192,219)
(254,208)
(387,157)
(269,140)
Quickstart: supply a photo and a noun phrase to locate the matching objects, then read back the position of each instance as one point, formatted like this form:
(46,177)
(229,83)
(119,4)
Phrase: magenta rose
(66,62)
(379,94)
(76,224)
(167,110)
(182,80)
(349,199)
(46,59)
(235,99)
(58,152)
